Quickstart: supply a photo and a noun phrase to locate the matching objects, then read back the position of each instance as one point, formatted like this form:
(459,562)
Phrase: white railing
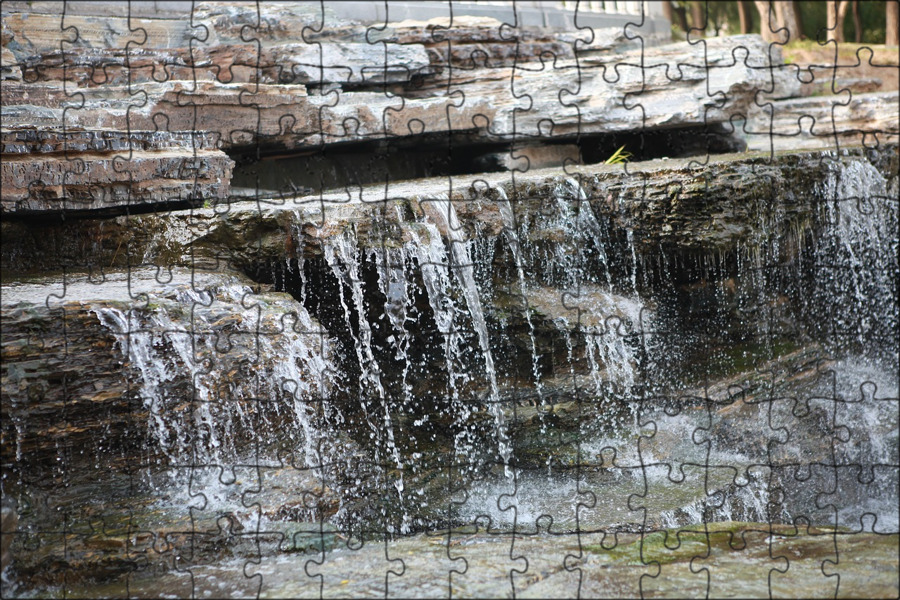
(618,8)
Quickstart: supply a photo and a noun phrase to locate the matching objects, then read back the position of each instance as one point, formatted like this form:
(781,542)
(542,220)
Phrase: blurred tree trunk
(680,17)
(776,15)
(786,12)
(836,12)
(857,23)
(766,26)
(698,16)
(893,14)
(745,16)
(799,15)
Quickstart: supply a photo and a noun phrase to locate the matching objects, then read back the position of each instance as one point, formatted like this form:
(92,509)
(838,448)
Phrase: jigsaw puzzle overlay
(449,299)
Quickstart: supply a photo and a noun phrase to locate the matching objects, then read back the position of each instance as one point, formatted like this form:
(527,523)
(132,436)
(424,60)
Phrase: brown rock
(823,122)
(89,181)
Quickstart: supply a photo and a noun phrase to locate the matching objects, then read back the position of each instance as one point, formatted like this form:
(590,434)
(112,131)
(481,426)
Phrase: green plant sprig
(619,157)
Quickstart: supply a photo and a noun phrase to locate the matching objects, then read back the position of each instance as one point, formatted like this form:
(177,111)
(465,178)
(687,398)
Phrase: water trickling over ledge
(407,362)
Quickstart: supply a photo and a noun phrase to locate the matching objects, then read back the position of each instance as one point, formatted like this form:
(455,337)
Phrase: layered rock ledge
(674,205)
(172,96)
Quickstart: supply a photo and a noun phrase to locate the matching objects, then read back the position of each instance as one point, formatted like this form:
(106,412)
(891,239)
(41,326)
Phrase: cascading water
(400,403)
(589,220)
(174,343)
(342,256)
(194,383)
(442,211)
(856,259)
(139,348)
(377,387)
(377,395)
(512,238)
(611,323)
(392,282)
(427,246)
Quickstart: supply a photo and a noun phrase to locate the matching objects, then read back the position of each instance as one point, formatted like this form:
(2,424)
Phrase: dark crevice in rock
(663,143)
(273,170)
(72,210)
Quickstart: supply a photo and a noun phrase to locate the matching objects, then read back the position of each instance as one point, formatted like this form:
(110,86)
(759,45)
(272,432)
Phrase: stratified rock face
(302,81)
(293,118)
(58,172)
(868,119)
(64,392)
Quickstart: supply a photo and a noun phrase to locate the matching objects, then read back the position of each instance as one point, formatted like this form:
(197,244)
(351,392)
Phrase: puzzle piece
(467,299)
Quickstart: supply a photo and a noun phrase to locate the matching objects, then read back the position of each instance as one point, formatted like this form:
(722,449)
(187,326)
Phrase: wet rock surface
(140,365)
(627,565)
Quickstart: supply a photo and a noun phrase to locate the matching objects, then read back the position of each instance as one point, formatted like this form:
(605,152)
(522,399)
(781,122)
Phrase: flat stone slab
(678,86)
(79,182)
(825,122)
(304,87)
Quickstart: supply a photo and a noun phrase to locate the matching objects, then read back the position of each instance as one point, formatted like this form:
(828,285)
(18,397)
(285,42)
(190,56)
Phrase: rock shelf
(198,89)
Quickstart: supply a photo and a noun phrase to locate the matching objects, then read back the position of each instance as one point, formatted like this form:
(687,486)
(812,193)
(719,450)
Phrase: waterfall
(139,347)
(512,239)
(856,261)
(441,210)
(341,255)
(392,282)
(610,323)
(213,371)
(587,217)
(428,248)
